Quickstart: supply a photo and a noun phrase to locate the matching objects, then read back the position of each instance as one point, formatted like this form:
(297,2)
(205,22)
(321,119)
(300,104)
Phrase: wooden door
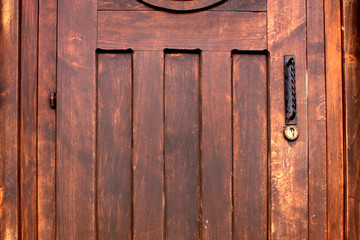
(169,120)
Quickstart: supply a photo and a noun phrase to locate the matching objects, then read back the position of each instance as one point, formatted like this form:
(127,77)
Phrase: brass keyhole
(291,133)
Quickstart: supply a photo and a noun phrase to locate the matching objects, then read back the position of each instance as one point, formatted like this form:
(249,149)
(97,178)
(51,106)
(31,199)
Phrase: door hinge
(53,100)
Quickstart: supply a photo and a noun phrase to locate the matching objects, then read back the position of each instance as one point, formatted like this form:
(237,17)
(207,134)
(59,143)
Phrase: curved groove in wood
(182,5)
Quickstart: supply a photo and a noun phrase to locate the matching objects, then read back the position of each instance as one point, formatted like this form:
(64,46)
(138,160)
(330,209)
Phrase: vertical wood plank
(316,119)
(9,103)
(250,146)
(182,154)
(28,120)
(351,21)
(148,145)
(289,162)
(216,145)
(76,115)
(114,146)
(334,98)
(46,119)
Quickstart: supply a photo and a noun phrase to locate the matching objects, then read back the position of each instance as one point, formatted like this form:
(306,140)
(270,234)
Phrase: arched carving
(182,5)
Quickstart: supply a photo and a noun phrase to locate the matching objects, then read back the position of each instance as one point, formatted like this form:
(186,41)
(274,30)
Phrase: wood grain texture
(9,103)
(28,120)
(216,145)
(351,21)
(289,162)
(229,5)
(250,146)
(46,119)
(334,97)
(149,208)
(316,119)
(149,30)
(182,139)
(114,146)
(76,115)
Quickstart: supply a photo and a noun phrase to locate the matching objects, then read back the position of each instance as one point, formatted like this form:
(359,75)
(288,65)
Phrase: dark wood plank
(334,109)
(149,30)
(148,145)
(351,21)
(28,120)
(216,146)
(316,119)
(289,162)
(9,103)
(182,154)
(250,146)
(229,5)
(76,120)
(46,119)
(114,146)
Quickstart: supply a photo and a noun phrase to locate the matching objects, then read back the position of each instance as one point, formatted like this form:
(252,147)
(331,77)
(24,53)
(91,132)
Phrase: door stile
(289,160)
(76,119)
(46,120)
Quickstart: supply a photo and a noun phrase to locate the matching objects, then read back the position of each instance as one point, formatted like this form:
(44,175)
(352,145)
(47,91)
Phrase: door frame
(28,53)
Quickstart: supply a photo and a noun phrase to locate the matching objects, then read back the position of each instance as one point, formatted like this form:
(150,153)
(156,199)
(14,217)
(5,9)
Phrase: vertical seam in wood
(326,129)
(37,119)
(56,130)
(344,135)
(268,140)
(19,119)
(96,146)
(200,145)
(132,143)
(164,147)
(232,148)
(307,119)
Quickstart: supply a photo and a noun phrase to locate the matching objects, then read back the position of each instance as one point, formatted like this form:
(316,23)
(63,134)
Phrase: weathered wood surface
(289,162)
(9,103)
(351,50)
(250,146)
(28,120)
(76,120)
(148,129)
(182,141)
(149,30)
(114,146)
(46,120)
(229,5)
(216,145)
(334,108)
(316,119)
